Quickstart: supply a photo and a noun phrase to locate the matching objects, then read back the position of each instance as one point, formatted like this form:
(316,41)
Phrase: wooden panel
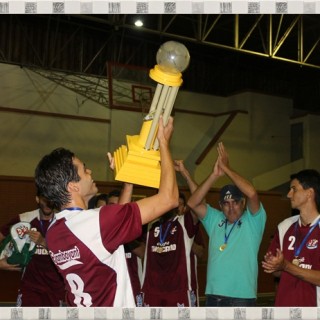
(17,195)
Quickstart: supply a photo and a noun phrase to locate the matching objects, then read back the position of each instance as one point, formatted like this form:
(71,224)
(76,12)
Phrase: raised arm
(179,167)
(167,197)
(126,192)
(196,202)
(243,184)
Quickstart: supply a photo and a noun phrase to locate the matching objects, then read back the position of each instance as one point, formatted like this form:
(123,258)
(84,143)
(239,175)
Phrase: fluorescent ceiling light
(138,23)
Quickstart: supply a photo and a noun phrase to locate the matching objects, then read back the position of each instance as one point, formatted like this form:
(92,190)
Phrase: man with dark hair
(86,245)
(235,234)
(294,252)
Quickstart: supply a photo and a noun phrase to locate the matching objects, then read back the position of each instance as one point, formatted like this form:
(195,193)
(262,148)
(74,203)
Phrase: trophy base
(134,164)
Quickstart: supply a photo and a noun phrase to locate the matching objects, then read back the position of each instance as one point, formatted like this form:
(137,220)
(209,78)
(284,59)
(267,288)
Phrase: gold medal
(160,249)
(296,262)
(226,236)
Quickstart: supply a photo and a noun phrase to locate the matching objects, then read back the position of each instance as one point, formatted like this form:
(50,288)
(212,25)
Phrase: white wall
(25,138)
(258,142)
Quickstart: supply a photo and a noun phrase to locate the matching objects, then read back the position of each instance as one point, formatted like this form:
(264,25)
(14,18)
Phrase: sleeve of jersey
(259,218)
(275,243)
(119,224)
(209,219)
(189,224)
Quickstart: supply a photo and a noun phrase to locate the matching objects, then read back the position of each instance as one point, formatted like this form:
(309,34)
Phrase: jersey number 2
(292,240)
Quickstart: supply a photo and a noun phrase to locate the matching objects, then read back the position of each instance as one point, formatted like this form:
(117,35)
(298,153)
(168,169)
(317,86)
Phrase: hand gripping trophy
(139,161)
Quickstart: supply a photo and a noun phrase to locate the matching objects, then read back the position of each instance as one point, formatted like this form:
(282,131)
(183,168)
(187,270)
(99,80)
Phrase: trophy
(139,161)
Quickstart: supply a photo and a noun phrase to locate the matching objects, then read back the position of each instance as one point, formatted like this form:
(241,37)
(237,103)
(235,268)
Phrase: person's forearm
(191,183)
(243,184)
(43,243)
(200,193)
(246,188)
(126,193)
(168,195)
(311,276)
(168,188)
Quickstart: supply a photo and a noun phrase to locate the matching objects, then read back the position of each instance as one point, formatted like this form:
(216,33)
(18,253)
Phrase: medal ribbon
(226,236)
(163,237)
(42,226)
(74,209)
(298,250)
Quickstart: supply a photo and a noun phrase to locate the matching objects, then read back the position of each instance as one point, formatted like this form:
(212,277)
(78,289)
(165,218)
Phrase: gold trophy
(139,161)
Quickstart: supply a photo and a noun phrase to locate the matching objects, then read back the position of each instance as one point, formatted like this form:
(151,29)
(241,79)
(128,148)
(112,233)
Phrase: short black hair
(101,196)
(309,178)
(114,193)
(52,175)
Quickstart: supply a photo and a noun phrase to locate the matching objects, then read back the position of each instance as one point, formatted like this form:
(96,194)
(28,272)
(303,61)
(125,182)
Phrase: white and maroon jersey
(86,246)
(198,239)
(40,274)
(293,291)
(134,264)
(167,267)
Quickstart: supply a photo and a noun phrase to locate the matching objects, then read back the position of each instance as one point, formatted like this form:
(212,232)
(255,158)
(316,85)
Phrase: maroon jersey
(86,246)
(41,283)
(290,237)
(198,239)
(166,279)
(135,270)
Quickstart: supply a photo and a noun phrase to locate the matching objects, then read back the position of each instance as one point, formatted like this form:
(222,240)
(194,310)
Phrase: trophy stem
(171,97)
(156,117)
(155,99)
(145,129)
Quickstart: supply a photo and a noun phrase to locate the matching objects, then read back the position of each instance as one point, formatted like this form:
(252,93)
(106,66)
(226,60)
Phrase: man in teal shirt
(235,232)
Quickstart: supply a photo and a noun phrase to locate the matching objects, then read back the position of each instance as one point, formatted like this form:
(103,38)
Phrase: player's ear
(37,200)
(311,193)
(72,187)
